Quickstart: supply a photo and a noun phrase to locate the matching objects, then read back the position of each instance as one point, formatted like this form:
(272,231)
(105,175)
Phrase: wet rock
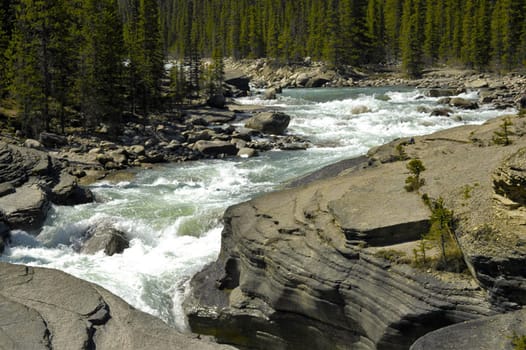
(269,122)
(246,152)
(360,110)
(270,94)
(441,92)
(105,237)
(318,81)
(522,102)
(6,188)
(463,103)
(216,147)
(67,191)
(441,112)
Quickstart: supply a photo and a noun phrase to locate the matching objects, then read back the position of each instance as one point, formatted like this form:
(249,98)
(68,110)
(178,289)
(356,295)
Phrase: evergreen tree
(101,68)
(412,38)
(480,41)
(392,19)
(468,30)
(30,64)
(432,30)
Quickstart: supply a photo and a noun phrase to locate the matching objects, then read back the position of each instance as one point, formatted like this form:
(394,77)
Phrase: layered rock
(48,309)
(30,180)
(303,268)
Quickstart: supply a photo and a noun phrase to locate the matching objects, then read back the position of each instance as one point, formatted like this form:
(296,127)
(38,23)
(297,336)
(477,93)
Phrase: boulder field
(312,267)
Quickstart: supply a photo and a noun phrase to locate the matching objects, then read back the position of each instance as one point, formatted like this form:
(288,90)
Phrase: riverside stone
(216,147)
(269,122)
(463,103)
(105,237)
(25,209)
(48,309)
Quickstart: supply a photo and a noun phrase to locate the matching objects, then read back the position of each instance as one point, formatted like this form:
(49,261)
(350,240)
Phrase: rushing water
(173,214)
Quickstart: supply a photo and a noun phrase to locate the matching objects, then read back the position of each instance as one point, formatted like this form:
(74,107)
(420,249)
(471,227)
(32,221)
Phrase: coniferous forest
(102,57)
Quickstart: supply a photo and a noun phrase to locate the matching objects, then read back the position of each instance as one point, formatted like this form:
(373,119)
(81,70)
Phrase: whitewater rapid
(173,213)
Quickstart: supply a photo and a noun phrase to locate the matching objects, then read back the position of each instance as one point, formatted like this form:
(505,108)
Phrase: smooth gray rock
(463,103)
(488,333)
(216,147)
(105,237)
(26,209)
(52,140)
(67,192)
(269,122)
(441,92)
(48,309)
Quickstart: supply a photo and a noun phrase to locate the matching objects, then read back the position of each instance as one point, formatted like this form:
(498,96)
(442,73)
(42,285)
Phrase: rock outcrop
(30,180)
(488,333)
(308,267)
(48,309)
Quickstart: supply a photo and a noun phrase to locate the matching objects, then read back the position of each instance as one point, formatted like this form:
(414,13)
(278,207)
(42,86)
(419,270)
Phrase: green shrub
(518,342)
(414,182)
(502,136)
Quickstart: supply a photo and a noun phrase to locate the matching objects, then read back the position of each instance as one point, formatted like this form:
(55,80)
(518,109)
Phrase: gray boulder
(269,122)
(441,92)
(463,103)
(25,209)
(52,140)
(270,94)
(105,237)
(217,101)
(522,102)
(48,309)
(67,192)
(441,112)
(216,147)
(4,233)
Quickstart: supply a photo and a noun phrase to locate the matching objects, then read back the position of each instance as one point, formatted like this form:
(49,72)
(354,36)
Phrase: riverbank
(339,262)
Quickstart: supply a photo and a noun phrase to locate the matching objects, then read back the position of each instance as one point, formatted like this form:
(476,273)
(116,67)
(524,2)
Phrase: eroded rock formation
(303,268)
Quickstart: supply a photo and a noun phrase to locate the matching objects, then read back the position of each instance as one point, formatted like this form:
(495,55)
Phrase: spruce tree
(392,19)
(101,69)
(412,38)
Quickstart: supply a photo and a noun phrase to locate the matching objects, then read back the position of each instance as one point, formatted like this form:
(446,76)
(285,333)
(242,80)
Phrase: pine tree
(101,69)
(480,41)
(29,64)
(412,38)
(468,29)
(392,18)
(432,30)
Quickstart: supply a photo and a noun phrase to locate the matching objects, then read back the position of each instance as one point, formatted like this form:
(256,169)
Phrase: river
(173,213)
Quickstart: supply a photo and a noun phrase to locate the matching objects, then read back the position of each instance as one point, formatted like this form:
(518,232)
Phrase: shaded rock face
(4,233)
(48,309)
(105,237)
(488,333)
(29,181)
(300,268)
(291,273)
(269,122)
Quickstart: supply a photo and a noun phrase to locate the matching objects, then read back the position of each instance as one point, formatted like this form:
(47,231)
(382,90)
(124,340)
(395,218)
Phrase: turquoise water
(173,213)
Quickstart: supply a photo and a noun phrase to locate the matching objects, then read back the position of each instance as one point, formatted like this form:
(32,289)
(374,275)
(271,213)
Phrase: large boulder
(68,192)
(105,237)
(52,140)
(522,102)
(48,309)
(25,209)
(269,122)
(217,101)
(463,103)
(215,148)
